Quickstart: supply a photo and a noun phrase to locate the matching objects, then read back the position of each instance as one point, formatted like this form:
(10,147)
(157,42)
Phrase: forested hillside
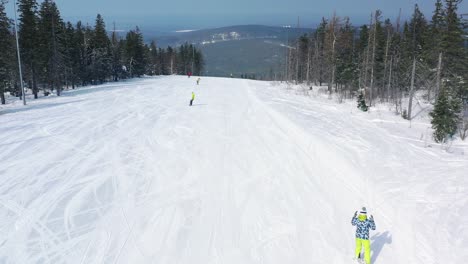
(57,54)
(389,61)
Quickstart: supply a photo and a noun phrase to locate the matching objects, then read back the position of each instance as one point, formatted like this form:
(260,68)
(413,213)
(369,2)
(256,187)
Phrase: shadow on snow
(379,240)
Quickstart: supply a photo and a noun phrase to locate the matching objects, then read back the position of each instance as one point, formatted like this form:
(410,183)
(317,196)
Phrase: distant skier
(189,74)
(198,81)
(363,225)
(193,98)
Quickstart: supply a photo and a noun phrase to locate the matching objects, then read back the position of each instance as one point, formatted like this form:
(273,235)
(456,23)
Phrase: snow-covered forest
(389,61)
(58,54)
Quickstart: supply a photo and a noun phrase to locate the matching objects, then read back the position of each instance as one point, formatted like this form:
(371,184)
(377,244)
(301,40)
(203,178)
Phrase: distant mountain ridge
(255,50)
(240,32)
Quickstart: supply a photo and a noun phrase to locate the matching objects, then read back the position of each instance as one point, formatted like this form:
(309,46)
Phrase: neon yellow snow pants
(360,243)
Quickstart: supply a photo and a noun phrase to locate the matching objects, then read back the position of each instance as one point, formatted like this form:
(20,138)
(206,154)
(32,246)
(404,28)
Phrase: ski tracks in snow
(414,192)
(129,173)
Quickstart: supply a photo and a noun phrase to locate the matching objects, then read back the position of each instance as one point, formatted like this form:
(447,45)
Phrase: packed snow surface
(252,173)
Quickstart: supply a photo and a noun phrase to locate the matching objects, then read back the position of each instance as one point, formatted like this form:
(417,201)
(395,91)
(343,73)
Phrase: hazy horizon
(183,14)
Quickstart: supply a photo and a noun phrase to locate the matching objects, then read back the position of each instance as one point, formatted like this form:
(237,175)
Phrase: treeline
(57,54)
(387,61)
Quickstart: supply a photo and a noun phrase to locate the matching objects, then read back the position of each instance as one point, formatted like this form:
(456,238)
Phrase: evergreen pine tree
(302,56)
(363,38)
(6,51)
(162,62)
(346,66)
(362,102)
(100,46)
(153,59)
(71,55)
(455,56)
(321,56)
(51,45)
(116,51)
(199,63)
(56,53)
(28,39)
(403,59)
(417,33)
(183,59)
(135,53)
(445,116)
(362,50)
(464,90)
(79,43)
(436,31)
(89,56)
(171,62)
(379,60)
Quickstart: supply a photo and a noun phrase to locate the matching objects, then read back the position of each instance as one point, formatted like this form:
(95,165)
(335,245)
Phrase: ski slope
(252,173)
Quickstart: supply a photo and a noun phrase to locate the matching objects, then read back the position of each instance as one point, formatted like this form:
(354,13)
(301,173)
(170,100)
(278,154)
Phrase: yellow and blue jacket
(363,225)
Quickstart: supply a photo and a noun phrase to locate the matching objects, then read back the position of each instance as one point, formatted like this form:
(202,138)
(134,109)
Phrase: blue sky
(211,13)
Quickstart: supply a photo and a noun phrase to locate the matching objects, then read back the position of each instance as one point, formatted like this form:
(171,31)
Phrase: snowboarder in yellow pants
(363,243)
(363,225)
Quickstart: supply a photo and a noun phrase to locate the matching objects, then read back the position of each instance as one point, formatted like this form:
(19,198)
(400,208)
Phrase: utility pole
(19,58)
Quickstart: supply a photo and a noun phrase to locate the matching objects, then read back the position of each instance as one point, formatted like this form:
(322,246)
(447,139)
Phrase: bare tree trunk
(286,61)
(333,62)
(297,62)
(373,60)
(389,79)
(359,82)
(332,29)
(2,94)
(34,81)
(410,104)
(172,65)
(308,64)
(395,64)
(413,72)
(316,59)
(386,59)
(289,64)
(297,55)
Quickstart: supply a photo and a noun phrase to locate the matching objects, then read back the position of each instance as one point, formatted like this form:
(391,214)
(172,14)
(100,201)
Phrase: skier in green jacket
(193,98)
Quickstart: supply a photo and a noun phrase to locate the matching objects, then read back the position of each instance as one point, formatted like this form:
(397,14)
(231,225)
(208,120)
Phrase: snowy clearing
(185,30)
(252,173)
